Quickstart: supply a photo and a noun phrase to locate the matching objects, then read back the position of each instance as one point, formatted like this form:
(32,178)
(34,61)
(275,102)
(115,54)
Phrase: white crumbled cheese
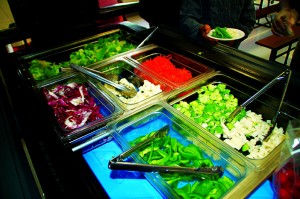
(236,141)
(261,151)
(125,82)
(143,92)
(253,125)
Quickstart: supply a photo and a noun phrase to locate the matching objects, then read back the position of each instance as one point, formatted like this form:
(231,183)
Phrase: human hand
(283,22)
(203,31)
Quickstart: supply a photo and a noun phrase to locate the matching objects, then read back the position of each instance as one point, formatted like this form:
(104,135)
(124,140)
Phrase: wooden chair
(264,12)
(276,43)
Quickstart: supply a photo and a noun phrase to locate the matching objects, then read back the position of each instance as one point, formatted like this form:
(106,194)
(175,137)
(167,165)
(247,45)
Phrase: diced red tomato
(284,194)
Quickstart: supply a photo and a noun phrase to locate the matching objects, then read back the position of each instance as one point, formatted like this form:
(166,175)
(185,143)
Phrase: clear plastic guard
(286,179)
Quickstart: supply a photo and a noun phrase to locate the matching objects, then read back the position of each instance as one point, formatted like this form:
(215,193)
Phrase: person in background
(198,17)
(283,22)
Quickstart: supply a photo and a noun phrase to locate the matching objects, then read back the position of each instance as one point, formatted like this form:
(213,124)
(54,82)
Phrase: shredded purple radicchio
(72,105)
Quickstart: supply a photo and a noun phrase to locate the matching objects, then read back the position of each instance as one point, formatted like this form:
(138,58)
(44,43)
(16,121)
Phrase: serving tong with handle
(118,163)
(125,91)
(147,38)
(111,77)
(284,75)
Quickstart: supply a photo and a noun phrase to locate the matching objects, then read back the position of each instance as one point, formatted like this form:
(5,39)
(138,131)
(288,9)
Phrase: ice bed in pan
(179,147)
(208,103)
(76,106)
(126,73)
(46,64)
(169,66)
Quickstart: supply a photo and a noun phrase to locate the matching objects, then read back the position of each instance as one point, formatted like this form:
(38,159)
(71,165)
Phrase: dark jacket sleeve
(248,17)
(194,14)
(190,15)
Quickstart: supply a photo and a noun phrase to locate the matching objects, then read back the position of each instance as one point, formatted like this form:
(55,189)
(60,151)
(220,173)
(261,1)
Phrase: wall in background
(6,17)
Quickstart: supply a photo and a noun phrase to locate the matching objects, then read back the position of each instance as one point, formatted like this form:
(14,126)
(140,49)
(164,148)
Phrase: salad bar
(172,136)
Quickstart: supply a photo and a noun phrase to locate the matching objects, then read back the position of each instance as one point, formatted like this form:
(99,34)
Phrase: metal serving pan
(155,117)
(265,105)
(149,88)
(83,52)
(180,64)
(92,108)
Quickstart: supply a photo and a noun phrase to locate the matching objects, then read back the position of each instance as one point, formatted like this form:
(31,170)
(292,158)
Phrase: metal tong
(147,38)
(283,75)
(110,77)
(117,163)
(123,89)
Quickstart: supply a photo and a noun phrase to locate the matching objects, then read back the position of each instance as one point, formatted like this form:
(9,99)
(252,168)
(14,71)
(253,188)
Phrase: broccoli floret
(210,109)
(198,119)
(211,123)
(222,105)
(194,103)
(215,96)
(221,87)
(196,107)
(232,103)
(217,115)
(204,98)
(228,96)
(183,107)
(218,129)
(203,89)
(211,87)
(213,105)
